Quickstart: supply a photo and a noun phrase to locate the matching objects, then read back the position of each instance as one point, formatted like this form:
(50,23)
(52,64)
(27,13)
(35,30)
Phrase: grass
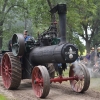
(66,72)
(95,84)
(2,97)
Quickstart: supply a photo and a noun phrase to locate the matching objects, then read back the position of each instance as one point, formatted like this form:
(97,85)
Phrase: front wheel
(40,81)
(83,77)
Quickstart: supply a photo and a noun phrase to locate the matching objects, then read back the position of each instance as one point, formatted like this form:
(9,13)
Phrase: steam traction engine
(32,59)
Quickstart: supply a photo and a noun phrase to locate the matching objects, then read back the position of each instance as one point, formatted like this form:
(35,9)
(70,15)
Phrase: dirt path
(57,92)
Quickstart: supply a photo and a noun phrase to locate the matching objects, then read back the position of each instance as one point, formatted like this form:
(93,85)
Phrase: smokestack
(62,21)
(61,9)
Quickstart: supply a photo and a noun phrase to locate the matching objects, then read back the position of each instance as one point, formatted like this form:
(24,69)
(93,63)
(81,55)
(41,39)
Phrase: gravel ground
(57,91)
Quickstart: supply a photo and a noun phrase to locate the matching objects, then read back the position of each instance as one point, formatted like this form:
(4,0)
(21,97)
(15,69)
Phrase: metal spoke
(82,83)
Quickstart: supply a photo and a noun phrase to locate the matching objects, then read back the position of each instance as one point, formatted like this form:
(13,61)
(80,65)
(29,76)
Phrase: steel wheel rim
(77,85)
(6,71)
(38,88)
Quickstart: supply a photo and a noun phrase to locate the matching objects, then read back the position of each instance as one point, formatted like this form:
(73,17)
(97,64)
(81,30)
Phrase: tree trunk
(88,46)
(1,32)
(1,38)
(85,26)
(52,14)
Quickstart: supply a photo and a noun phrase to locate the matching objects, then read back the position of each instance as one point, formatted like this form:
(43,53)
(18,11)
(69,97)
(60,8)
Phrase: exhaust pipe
(61,9)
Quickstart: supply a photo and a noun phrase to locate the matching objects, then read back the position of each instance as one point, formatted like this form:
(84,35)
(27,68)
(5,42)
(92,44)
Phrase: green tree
(83,15)
(8,10)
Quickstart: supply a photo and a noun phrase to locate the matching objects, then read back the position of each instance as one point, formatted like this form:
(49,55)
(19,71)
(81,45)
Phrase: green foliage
(81,15)
(75,40)
(39,12)
(3,97)
(96,40)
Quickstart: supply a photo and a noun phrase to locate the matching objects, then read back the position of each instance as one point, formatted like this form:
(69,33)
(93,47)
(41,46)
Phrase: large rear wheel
(40,81)
(82,82)
(11,71)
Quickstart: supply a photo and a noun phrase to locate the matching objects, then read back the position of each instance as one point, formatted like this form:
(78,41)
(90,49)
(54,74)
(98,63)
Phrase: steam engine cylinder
(62,53)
